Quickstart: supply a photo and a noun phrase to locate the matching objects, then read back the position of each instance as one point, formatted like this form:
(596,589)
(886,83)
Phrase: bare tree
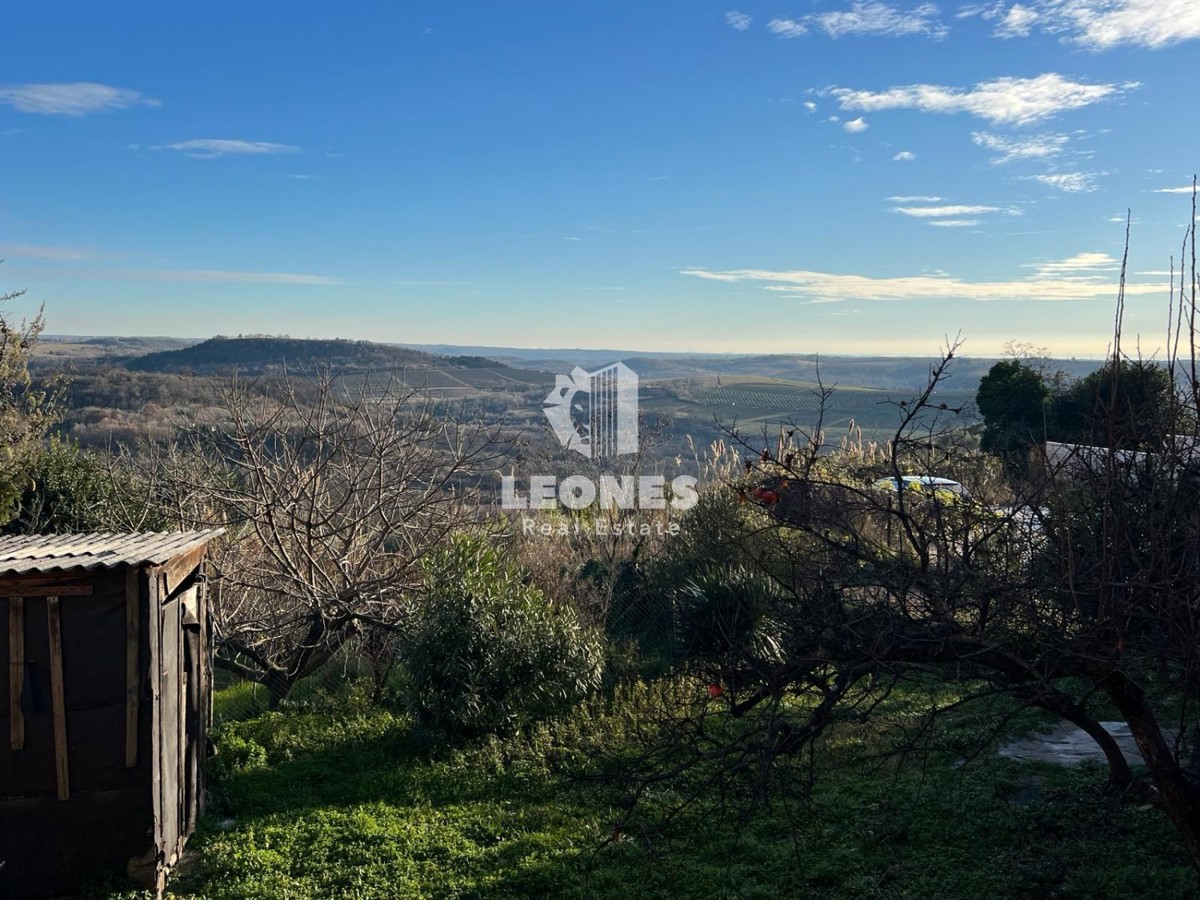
(1074,590)
(332,491)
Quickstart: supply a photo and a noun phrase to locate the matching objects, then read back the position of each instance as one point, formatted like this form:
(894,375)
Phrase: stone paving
(1069,745)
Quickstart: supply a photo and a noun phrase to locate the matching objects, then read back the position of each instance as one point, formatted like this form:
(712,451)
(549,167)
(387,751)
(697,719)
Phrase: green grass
(344,799)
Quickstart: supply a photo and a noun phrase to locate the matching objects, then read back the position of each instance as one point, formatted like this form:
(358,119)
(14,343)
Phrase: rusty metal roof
(41,554)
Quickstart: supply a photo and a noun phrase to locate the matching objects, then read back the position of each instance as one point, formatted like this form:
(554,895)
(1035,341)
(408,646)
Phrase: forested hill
(256,355)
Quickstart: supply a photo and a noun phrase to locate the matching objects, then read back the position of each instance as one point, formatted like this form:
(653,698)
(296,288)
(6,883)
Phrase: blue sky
(790,176)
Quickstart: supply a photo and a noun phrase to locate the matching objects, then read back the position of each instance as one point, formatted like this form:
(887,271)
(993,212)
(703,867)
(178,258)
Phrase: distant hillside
(58,351)
(256,355)
(888,373)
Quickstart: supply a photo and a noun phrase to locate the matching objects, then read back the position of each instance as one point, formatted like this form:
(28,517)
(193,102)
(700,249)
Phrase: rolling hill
(259,355)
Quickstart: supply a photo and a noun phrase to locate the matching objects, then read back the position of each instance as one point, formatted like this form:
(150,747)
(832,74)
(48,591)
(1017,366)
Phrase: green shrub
(71,490)
(237,754)
(488,652)
(726,616)
(647,623)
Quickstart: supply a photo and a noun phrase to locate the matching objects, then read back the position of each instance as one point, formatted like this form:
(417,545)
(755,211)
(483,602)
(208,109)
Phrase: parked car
(941,488)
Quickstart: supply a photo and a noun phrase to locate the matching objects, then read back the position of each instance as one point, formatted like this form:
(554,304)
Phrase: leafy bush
(488,652)
(726,617)
(71,490)
(647,623)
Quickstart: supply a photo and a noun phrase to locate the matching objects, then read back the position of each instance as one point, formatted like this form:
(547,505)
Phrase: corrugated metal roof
(39,554)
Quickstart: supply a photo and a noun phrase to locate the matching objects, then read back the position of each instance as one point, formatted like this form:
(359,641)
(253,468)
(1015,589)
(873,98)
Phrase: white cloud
(987,11)
(954,223)
(1015,101)
(918,198)
(810,106)
(873,19)
(302,177)
(1069,182)
(738,21)
(904,156)
(1041,146)
(1016,22)
(787,28)
(70,99)
(211,148)
(1077,266)
(1103,24)
(58,254)
(855,126)
(1051,281)
(949,211)
(1186,189)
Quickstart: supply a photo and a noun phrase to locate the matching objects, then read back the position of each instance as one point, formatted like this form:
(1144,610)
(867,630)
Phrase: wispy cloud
(1014,101)
(864,18)
(433,283)
(738,21)
(954,223)
(189,276)
(1018,20)
(915,198)
(57,254)
(219,276)
(904,156)
(1089,265)
(1099,24)
(1069,182)
(211,148)
(855,126)
(810,106)
(77,98)
(872,19)
(787,28)
(1040,146)
(1084,277)
(949,211)
(1186,189)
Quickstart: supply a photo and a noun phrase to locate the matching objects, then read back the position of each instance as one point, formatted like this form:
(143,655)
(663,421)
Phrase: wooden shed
(103,721)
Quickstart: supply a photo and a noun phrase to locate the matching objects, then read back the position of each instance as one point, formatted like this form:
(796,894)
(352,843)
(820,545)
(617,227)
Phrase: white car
(927,483)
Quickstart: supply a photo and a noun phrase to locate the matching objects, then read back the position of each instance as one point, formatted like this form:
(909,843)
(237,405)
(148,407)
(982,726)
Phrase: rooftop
(39,554)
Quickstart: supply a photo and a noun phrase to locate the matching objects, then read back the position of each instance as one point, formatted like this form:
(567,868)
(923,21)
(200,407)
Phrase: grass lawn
(345,799)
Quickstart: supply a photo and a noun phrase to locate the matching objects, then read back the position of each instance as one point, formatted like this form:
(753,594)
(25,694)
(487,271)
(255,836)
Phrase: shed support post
(58,703)
(16,671)
(132,670)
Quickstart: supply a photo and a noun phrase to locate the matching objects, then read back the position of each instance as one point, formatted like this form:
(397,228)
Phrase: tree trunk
(279,686)
(1120,776)
(1176,794)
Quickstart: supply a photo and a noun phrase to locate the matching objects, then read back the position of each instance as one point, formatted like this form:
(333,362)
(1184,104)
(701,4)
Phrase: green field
(341,798)
(764,402)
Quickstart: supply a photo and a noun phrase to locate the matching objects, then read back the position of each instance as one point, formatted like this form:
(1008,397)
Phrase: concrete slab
(1069,745)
